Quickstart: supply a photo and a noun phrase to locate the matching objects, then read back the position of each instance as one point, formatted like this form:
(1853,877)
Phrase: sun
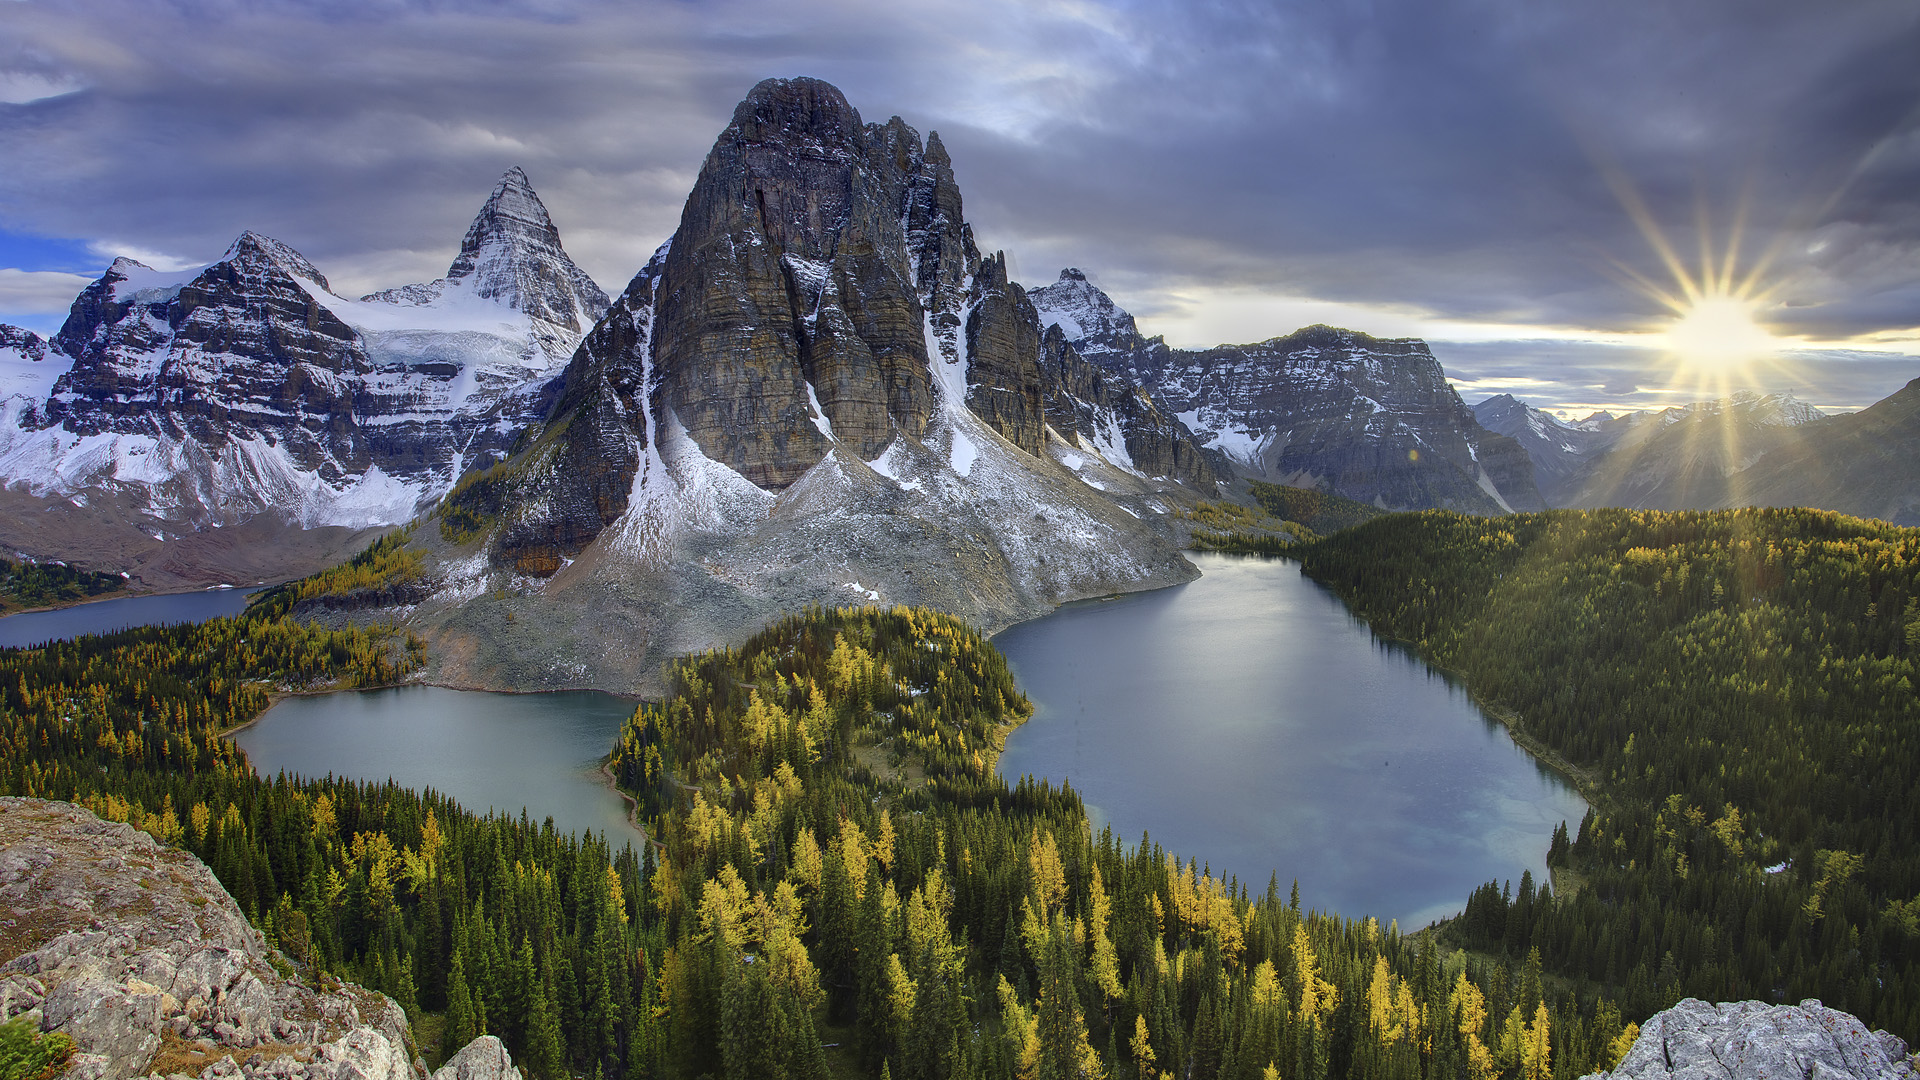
(1719,333)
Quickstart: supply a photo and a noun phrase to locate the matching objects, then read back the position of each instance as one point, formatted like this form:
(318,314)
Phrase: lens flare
(1718,333)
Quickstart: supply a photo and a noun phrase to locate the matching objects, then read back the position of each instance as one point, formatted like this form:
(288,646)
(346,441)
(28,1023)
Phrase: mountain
(1865,463)
(818,391)
(1369,419)
(1560,451)
(241,420)
(1686,457)
(1747,449)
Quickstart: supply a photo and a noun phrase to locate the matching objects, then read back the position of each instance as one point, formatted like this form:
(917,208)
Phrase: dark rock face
(816,261)
(579,477)
(1003,344)
(1370,419)
(29,345)
(1750,1040)
(823,291)
(789,281)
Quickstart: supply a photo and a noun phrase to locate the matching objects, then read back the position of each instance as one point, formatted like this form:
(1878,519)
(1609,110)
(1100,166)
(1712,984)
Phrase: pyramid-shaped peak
(1073,273)
(514,216)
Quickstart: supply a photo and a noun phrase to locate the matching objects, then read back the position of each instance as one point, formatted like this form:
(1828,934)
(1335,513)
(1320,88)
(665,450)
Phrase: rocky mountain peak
(796,111)
(512,254)
(259,254)
(1085,314)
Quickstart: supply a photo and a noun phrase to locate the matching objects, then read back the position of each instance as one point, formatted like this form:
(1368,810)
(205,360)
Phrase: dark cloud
(1462,157)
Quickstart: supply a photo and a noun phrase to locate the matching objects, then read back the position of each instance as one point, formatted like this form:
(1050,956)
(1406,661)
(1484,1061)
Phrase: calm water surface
(106,616)
(540,752)
(1248,721)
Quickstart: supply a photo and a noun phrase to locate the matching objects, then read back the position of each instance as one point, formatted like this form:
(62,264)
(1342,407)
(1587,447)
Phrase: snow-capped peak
(512,256)
(1086,315)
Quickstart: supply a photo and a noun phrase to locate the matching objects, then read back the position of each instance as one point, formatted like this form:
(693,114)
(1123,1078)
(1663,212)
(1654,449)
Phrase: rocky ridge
(182,403)
(135,951)
(1750,1040)
(1370,419)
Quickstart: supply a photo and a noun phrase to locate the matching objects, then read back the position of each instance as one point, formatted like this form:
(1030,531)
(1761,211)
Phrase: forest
(838,884)
(39,585)
(1735,692)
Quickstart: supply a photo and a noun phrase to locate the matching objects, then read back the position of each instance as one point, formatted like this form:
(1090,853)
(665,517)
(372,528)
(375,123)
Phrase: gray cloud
(1451,155)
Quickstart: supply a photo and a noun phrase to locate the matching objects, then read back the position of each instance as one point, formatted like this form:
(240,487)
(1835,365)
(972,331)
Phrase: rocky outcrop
(1749,1040)
(135,951)
(1370,419)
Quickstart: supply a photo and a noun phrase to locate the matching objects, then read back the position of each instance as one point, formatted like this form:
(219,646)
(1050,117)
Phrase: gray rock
(1749,1040)
(121,939)
(485,1058)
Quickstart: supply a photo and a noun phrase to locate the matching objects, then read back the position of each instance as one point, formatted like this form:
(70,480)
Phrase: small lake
(1248,721)
(540,752)
(106,616)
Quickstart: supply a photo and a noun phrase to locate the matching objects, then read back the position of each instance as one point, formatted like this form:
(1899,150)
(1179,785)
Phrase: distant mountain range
(1748,449)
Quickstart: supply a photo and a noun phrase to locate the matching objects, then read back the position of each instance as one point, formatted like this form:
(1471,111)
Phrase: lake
(1247,720)
(106,616)
(540,752)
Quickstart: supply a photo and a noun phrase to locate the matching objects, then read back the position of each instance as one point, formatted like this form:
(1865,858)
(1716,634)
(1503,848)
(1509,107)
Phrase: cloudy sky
(1501,177)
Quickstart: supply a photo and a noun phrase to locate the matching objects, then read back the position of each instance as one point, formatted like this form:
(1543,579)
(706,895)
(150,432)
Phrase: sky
(1538,189)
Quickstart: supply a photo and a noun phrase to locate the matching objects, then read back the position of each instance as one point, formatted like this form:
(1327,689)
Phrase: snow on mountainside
(247,389)
(1369,419)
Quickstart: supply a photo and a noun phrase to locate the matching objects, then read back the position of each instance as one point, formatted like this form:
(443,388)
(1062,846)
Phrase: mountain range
(819,390)
(1747,449)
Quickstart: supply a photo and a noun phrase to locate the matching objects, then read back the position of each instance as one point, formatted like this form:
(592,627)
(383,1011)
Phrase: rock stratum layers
(1750,1040)
(135,951)
(818,391)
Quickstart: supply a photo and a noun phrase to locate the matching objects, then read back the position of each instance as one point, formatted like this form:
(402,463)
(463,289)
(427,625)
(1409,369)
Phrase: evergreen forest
(1735,692)
(837,883)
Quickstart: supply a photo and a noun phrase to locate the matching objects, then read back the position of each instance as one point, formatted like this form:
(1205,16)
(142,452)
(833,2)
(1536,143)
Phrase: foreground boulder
(1748,1040)
(136,952)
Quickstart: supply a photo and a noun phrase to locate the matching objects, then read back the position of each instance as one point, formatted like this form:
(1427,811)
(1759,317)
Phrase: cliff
(134,951)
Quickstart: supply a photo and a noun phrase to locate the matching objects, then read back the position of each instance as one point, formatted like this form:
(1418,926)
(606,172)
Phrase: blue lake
(508,752)
(106,616)
(1247,720)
